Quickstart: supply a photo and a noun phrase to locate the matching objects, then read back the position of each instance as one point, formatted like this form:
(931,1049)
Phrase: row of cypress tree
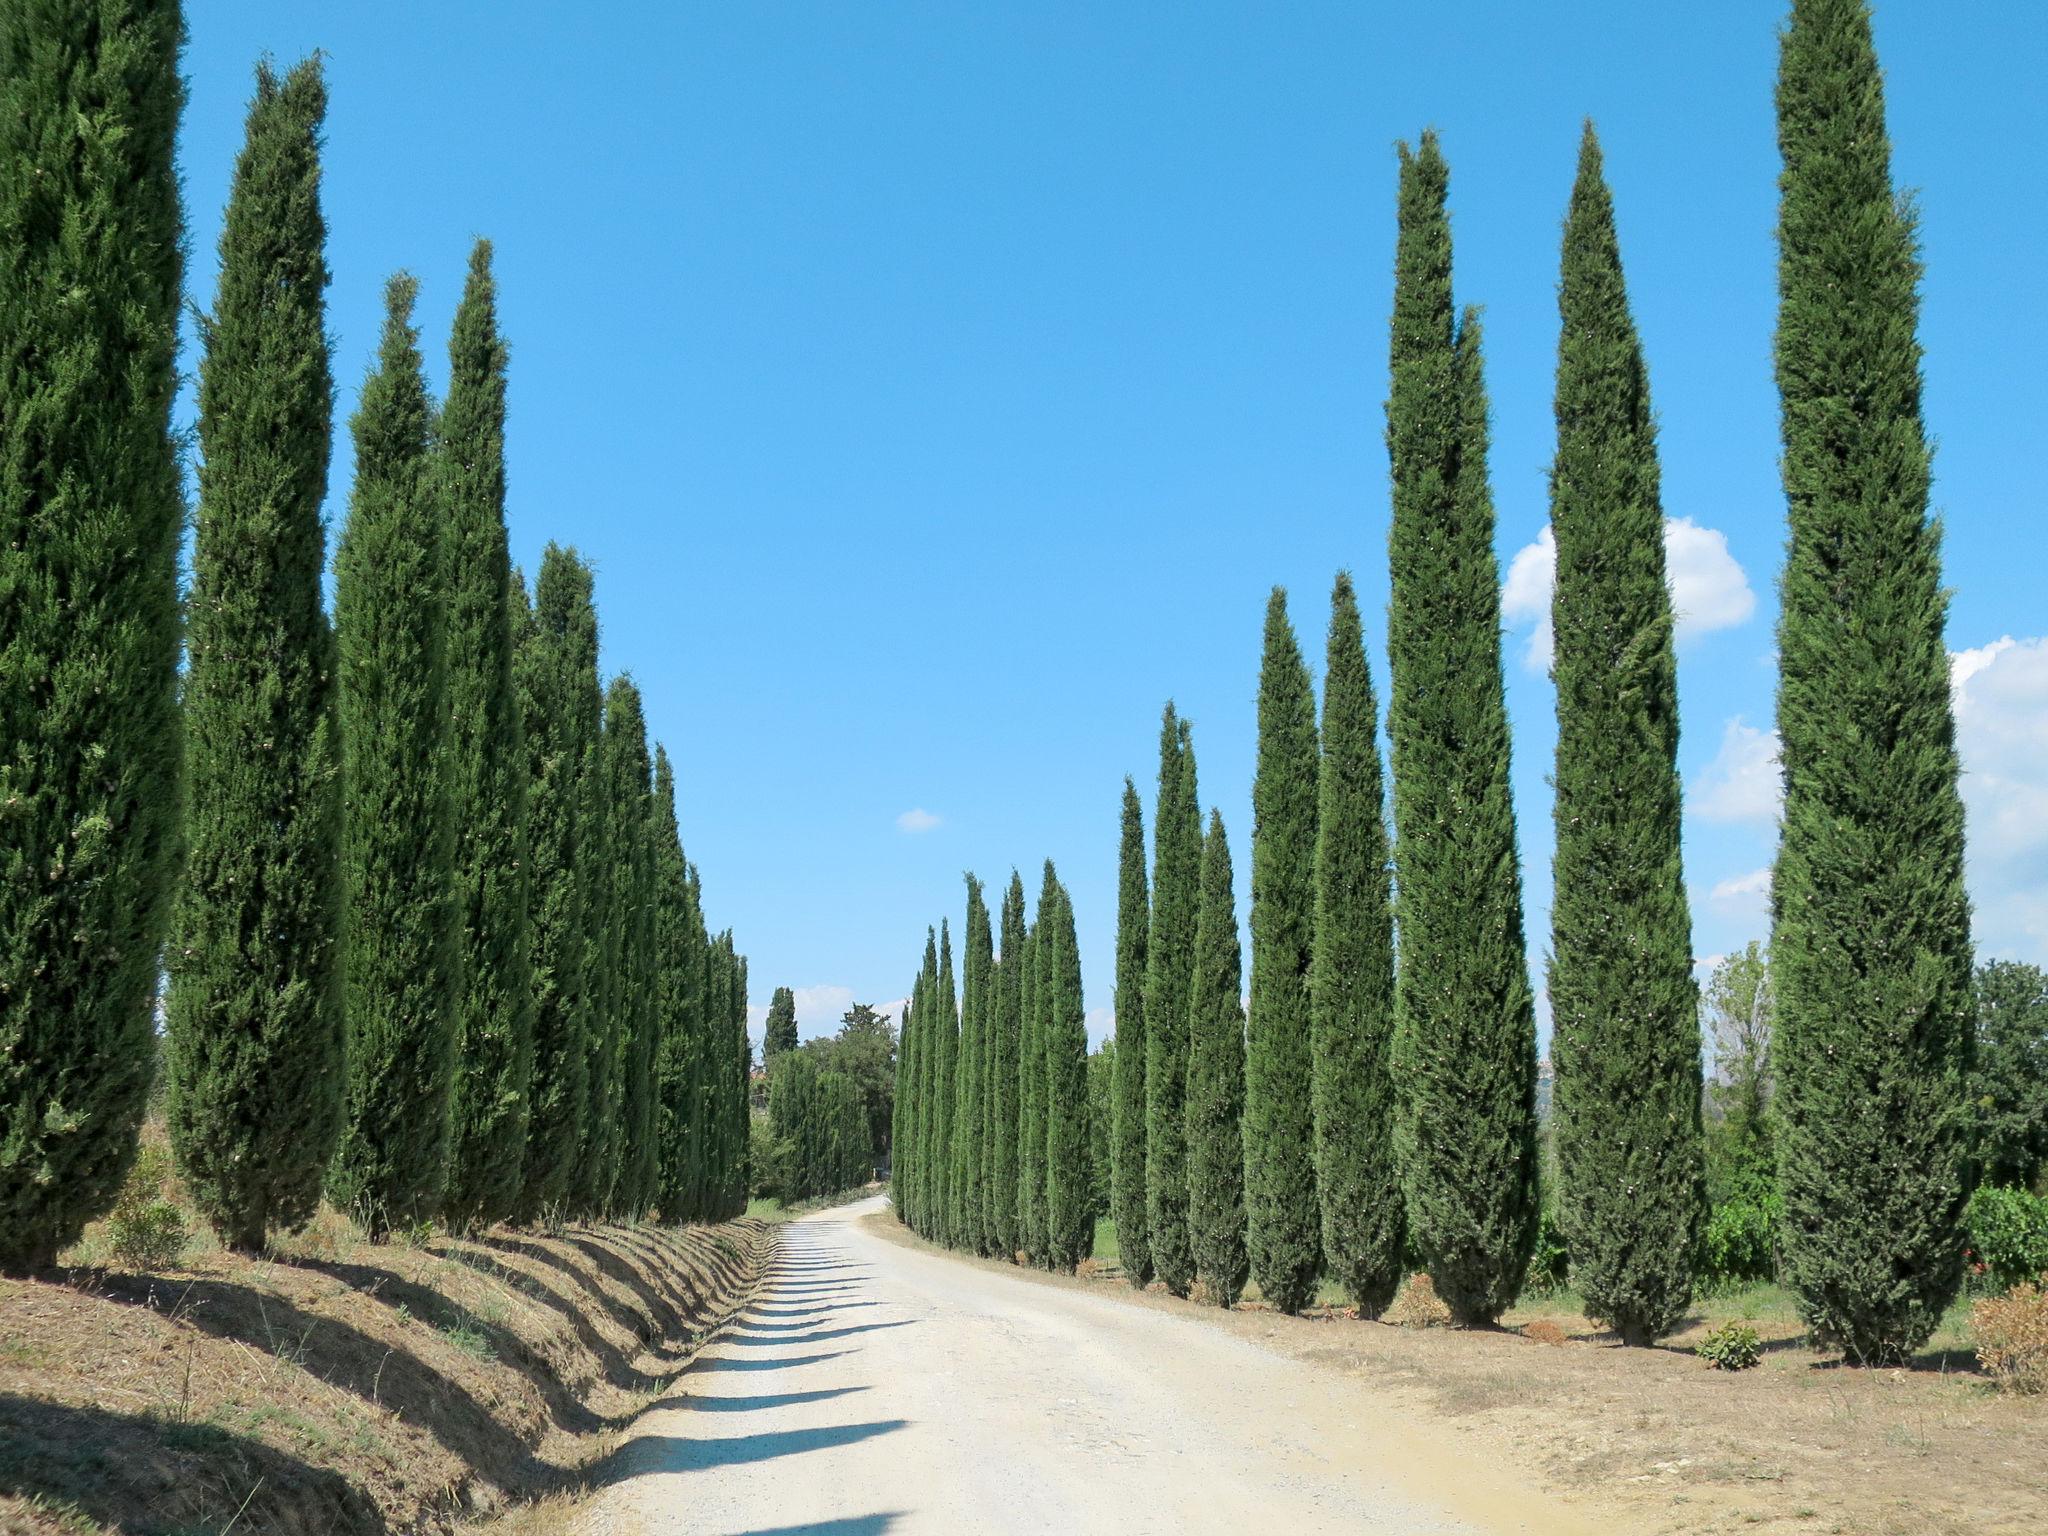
(433,948)
(1375,1105)
(991,1147)
(820,1126)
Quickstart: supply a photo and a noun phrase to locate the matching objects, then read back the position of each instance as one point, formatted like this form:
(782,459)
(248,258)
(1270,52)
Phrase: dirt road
(876,1387)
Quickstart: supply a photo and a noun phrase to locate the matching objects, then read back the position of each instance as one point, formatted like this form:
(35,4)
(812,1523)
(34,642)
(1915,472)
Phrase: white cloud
(2000,692)
(916,819)
(1740,888)
(1744,899)
(1101,1024)
(1709,588)
(1742,783)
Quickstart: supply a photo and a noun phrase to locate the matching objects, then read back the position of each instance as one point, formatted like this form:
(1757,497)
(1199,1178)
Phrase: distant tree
(1625,1010)
(965,1205)
(1466,1040)
(91,514)
(1101,1126)
(555,653)
(1127,1127)
(255,1036)
(1004,1047)
(1169,973)
(780,1034)
(1352,985)
(2009,1092)
(391,1169)
(1069,1163)
(1284,1217)
(1870,941)
(1738,1009)
(1215,1092)
(865,1052)
(487,773)
(1031,1229)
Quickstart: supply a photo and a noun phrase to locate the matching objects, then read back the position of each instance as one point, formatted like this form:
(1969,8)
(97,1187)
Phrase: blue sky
(940,388)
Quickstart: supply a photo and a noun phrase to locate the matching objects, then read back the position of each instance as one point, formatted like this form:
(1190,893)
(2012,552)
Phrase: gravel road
(877,1387)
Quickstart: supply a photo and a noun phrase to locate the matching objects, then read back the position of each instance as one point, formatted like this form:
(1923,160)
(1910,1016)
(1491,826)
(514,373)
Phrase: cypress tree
(779,1035)
(391,1168)
(487,773)
(255,1028)
(1169,973)
(697,1128)
(555,651)
(927,1081)
(1004,1127)
(903,1125)
(1625,1038)
(945,1075)
(739,1113)
(628,772)
(1069,1153)
(90,516)
(1352,985)
(991,1004)
(675,1001)
(1031,1096)
(1870,945)
(1133,924)
(1466,1040)
(1216,1083)
(967,1105)
(1279,1111)
(607,888)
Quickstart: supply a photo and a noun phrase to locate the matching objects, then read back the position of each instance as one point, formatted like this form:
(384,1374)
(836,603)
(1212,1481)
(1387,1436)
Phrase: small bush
(1731,1347)
(1739,1243)
(145,1230)
(2007,1235)
(1550,1263)
(1418,1306)
(2012,1337)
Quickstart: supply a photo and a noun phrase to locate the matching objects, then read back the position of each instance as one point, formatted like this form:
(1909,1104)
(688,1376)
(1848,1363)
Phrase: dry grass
(338,1386)
(2012,1338)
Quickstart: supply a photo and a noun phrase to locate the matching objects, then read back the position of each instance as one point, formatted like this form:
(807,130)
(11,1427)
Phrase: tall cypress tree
(738,1110)
(627,775)
(1625,1011)
(945,1075)
(903,1131)
(1031,1096)
(675,995)
(1352,985)
(255,1028)
(607,886)
(779,1034)
(991,1068)
(1133,932)
(1069,1154)
(967,1109)
(1279,1113)
(927,995)
(1466,1039)
(391,1168)
(90,517)
(698,1128)
(1216,1083)
(556,650)
(1870,946)
(1169,973)
(487,772)
(1004,1131)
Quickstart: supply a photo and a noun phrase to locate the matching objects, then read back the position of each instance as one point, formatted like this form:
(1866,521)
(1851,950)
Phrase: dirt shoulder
(1796,1445)
(345,1387)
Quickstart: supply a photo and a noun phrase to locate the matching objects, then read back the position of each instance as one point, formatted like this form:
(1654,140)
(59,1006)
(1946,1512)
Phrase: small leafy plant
(1731,1347)
(145,1231)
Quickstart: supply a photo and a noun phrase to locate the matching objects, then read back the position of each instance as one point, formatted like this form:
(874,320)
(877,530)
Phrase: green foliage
(391,1167)
(1740,1013)
(555,655)
(1465,1042)
(903,1122)
(608,886)
(255,1047)
(2009,1081)
(90,518)
(1870,946)
(1549,1260)
(1031,1230)
(1738,1244)
(1731,1347)
(1004,1127)
(1215,1083)
(780,1032)
(864,1051)
(146,1229)
(627,777)
(1352,984)
(1625,1009)
(1279,1115)
(966,1196)
(1101,1128)
(1069,1163)
(487,773)
(2005,1233)
(1133,933)
(678,999)
(1169,975)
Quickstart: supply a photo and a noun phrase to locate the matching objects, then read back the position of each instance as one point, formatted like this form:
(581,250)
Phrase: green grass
(1106,1250)
(766,1208)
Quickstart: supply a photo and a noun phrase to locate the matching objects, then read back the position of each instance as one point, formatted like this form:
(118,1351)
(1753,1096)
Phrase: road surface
(875,1387)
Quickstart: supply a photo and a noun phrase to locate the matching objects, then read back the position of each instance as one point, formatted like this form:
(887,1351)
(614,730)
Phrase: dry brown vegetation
(1799,1444)
(343,1387)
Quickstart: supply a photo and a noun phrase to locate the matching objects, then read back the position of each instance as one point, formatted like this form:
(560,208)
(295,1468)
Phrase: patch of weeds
(466,1336)
(64,1517)
(145,1231)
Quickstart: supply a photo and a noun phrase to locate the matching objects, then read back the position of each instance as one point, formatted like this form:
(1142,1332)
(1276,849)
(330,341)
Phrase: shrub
(1418,1306)
(145,1230)
(1550,1262)
(2006,1232)
(2012,1337)
(1731,1347)
(1739,1241)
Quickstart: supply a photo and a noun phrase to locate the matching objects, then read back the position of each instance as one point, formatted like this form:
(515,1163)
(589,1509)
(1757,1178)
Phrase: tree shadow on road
(673,1453)
(818,1337)
(754,1363)
(850,1525)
